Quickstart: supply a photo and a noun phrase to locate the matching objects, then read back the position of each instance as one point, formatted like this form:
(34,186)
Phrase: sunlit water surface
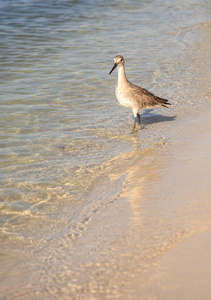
(67,153)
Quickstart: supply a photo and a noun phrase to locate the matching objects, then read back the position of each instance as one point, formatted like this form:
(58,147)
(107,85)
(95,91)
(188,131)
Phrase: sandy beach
(184,273)
(160,261)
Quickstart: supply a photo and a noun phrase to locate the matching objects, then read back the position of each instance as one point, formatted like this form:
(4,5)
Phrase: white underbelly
(123,100)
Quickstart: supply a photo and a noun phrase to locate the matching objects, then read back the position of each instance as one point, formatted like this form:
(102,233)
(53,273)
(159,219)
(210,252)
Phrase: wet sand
(185,272)
(149,240)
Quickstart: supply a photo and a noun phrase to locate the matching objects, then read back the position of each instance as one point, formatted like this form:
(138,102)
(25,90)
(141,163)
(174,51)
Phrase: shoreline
(159,209)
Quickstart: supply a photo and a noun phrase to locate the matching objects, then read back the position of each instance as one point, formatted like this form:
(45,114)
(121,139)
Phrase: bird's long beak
(114,67)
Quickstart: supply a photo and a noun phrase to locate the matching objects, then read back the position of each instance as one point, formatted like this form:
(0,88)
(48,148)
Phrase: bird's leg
(134,125)
(139,118)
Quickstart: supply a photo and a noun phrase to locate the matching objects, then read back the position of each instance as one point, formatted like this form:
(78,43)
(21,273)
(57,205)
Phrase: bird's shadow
(148,118)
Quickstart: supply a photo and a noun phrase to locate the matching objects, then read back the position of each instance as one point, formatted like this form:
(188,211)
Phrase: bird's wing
(143,96)
(146,98)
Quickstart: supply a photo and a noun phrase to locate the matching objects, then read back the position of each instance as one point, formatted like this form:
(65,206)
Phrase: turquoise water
(63,134)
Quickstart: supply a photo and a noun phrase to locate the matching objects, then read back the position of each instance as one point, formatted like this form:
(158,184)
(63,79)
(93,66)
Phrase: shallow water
(81,212)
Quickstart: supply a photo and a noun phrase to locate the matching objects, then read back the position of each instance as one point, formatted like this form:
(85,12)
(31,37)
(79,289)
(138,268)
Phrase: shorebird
(132,96)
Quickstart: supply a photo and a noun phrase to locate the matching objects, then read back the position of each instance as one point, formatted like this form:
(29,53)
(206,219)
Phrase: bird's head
(118,61)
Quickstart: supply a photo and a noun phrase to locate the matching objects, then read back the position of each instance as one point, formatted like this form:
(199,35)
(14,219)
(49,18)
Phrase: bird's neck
(122,79)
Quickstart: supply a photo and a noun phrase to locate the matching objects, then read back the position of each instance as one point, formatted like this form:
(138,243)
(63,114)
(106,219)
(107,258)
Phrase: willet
(132,96)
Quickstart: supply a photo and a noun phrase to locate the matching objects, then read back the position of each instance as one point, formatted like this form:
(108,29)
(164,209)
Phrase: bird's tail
(162,101)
